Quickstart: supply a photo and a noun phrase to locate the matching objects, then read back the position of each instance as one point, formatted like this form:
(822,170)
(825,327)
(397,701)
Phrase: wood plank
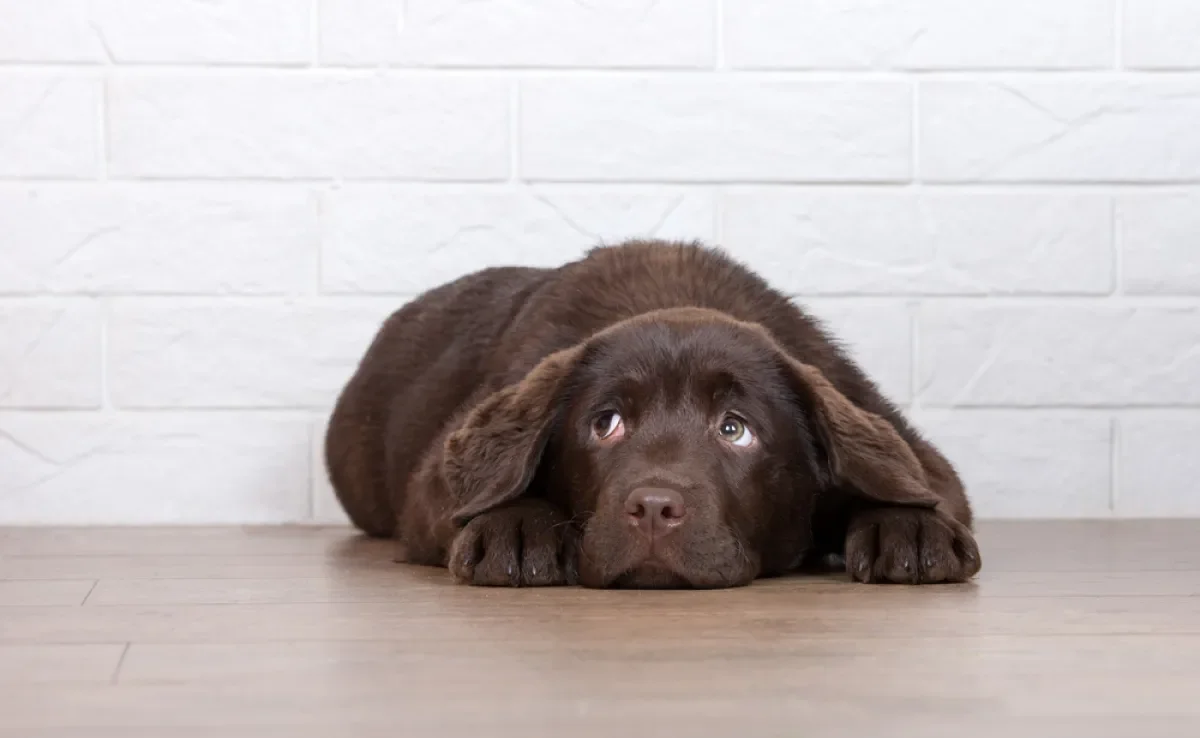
(133,566)
(1183,583)
(383,586)
(60,592)
(176,540)
(994,660)
(1089,545)
(298,552)
(1073,629)
(349,588)
(59,663)
(767,724)
(776,613)
(515,709)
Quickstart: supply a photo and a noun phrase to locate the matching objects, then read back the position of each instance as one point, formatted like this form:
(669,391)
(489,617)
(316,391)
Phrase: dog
(651,415)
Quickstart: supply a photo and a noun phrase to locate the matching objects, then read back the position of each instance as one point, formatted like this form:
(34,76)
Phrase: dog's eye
(733,430)
(608,425)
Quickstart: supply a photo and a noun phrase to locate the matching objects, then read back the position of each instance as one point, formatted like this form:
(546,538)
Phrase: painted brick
(715,129)
(152,468)
(191,240)
(48,31)
(49,354)
(1160,241)
(221,32)
(519,33)
(281,126)
(920,34)
(1084,130)
(246,354)
(49,126)
(404,241)
(1057,355)
(863,242)
(1027,464)
(206,209)
(877,337)
(325,506)
(1158,465)
(1161,34)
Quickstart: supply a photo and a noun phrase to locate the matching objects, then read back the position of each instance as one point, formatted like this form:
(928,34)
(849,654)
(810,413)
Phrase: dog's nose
(655,511)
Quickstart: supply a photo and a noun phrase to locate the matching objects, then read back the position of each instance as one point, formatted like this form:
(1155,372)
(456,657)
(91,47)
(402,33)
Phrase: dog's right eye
(734,430)
(608,426)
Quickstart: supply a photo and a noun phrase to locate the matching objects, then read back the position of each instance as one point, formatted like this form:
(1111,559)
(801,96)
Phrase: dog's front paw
(910,546)
(527,544)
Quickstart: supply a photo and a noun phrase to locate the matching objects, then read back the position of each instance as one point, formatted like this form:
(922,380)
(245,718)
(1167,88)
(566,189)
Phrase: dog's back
(428,359)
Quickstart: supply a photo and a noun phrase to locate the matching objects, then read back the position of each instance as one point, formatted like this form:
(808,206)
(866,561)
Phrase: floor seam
(95,582)
(120,663)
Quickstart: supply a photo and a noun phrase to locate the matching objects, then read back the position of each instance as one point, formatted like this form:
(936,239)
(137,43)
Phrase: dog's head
(688,446)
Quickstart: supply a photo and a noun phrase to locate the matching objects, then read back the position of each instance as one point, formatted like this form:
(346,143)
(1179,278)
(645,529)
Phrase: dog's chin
(651,575)
(632,565)
(656,574)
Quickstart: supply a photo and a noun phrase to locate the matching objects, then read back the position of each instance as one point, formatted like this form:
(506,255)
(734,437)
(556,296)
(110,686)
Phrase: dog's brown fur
(465,434)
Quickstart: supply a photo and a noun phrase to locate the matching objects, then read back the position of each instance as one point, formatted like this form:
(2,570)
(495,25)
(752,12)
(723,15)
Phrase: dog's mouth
(647,569)
(611,556)
(651,574)
(633,566)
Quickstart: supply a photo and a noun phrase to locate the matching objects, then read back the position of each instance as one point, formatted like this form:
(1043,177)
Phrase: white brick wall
(206,209)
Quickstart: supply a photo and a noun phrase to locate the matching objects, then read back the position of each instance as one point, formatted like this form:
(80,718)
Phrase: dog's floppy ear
(493,455)
(862,450)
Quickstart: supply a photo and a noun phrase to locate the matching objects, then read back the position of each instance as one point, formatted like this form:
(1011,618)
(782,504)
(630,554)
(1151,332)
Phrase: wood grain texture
(1072,629)
(52,592)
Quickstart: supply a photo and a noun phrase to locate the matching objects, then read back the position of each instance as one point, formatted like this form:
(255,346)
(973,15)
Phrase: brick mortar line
(301,69)
(726,188)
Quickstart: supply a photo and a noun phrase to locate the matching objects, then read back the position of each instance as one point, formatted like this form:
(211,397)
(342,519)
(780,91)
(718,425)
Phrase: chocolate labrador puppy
(651,415)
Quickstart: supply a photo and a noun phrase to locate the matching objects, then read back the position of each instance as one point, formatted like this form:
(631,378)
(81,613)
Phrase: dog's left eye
(734,430)
(608,426)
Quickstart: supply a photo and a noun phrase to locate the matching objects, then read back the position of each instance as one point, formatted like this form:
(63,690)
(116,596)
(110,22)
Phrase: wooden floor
(1088,629)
